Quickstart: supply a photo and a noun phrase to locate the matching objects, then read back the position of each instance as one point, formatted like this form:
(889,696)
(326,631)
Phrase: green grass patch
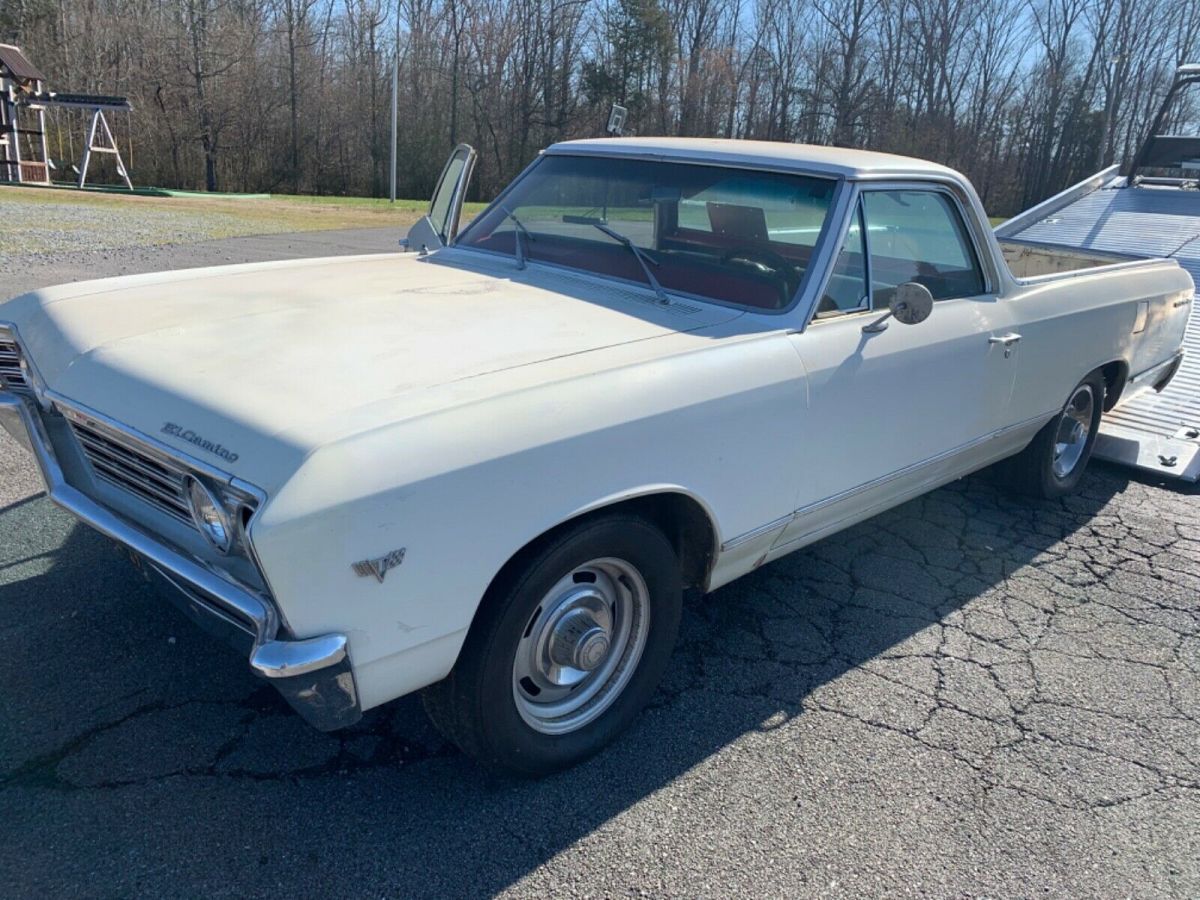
(381,204)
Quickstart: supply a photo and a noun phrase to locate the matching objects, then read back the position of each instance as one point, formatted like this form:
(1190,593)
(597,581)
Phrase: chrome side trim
(736,542)
(882,480)
(914,467)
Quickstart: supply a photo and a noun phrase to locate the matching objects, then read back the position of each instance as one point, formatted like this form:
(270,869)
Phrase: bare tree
(1024,95)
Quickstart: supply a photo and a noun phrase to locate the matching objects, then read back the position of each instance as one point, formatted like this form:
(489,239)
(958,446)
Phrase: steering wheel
(769,263)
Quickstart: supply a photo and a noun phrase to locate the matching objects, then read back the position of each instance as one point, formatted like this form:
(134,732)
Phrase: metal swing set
(24,99)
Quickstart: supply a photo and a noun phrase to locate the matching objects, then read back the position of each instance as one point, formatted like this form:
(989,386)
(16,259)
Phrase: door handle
(1006,340)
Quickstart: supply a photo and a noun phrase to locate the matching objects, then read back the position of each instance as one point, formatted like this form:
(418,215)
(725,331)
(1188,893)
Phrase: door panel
(894,410)
(901,407)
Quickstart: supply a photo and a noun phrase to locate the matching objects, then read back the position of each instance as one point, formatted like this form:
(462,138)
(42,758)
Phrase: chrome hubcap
(1073,429)
(581,646)
(581,639)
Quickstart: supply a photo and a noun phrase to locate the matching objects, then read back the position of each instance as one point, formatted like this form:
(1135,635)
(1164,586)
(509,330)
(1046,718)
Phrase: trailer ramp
(1158,432)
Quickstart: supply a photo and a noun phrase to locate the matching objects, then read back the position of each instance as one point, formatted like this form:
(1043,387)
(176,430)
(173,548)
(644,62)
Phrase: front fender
(465,489)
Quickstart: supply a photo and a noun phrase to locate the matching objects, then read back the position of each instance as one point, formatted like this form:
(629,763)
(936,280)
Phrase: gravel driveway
(970,695)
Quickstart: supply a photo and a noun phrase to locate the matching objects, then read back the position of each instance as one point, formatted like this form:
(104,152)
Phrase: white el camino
(489,467)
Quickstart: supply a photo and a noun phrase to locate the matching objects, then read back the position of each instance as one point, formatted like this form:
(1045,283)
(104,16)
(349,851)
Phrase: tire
(515,701)
(1054,462)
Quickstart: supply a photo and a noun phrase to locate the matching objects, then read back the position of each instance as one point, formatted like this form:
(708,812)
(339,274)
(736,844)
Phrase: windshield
(733,235)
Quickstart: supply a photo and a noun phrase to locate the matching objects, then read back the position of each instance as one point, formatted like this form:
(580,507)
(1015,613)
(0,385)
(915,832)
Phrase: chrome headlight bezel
(210,515)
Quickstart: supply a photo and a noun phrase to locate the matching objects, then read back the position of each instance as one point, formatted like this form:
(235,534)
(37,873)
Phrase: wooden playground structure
(24,100)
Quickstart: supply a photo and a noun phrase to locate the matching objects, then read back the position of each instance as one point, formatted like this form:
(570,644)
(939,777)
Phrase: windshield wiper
(522,234)
(643,258)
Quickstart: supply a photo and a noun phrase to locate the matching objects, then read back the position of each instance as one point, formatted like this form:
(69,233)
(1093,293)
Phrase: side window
(847,287)
(919,236)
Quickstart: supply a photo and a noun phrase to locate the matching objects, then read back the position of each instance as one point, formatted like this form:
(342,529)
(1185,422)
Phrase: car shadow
(126,728)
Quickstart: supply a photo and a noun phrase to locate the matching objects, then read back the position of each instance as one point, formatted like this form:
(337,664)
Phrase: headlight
(209,515)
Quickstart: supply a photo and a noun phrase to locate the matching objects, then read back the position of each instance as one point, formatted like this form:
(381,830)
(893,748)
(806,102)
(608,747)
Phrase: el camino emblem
(379,567)
(186,434)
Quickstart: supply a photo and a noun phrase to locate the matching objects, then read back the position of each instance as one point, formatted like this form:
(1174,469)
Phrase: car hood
(266,361)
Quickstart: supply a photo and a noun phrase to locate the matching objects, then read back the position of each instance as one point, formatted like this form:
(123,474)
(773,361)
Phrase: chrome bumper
(313,674)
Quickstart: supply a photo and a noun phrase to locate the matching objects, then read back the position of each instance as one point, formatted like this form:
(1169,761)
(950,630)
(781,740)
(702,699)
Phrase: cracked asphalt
(970,695)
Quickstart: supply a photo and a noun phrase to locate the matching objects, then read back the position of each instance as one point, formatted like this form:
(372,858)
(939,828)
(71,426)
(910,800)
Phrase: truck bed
(1031,260)
(1158,432)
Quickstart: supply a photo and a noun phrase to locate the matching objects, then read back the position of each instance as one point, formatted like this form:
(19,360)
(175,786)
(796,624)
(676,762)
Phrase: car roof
(834,161)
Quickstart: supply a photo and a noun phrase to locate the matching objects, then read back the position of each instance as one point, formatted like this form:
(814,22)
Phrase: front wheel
(566,650)
(1055,460)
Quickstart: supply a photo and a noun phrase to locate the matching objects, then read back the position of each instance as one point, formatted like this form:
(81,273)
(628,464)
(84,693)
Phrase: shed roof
(18,64)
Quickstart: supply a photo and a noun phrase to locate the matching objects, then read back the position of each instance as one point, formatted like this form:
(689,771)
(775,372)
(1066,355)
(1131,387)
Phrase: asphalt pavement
(970,695)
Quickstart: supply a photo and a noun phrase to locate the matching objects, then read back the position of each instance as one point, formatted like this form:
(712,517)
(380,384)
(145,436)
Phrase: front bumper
(313,674)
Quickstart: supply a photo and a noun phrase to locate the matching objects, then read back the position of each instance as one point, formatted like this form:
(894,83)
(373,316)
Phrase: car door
(894,409)
(439,226)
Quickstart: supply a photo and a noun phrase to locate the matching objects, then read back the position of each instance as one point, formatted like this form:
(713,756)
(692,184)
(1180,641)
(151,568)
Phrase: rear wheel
(1054,462)
(566,651)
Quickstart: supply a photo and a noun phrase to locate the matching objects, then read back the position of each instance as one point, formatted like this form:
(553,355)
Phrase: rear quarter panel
(1071,325)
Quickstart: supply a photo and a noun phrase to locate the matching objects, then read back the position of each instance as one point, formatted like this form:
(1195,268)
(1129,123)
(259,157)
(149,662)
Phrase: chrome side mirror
(911,304)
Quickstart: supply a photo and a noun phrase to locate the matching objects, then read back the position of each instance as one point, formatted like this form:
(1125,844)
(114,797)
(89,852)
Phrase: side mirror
(911,304)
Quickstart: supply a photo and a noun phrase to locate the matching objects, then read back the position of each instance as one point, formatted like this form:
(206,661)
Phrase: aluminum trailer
(1140,215)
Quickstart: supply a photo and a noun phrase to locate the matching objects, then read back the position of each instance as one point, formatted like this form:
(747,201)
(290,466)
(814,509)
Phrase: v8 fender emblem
(380,566)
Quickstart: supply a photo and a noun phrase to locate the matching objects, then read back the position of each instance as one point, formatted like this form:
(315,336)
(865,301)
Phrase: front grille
(133,467)
(11,374)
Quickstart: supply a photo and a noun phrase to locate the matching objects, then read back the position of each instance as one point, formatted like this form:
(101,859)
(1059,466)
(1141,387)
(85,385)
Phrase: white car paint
(459,408)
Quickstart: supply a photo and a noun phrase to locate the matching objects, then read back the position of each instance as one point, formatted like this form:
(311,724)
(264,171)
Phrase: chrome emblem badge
(186,434)
(380,566)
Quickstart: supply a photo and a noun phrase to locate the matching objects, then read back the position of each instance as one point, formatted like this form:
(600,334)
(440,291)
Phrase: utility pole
(395,108)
